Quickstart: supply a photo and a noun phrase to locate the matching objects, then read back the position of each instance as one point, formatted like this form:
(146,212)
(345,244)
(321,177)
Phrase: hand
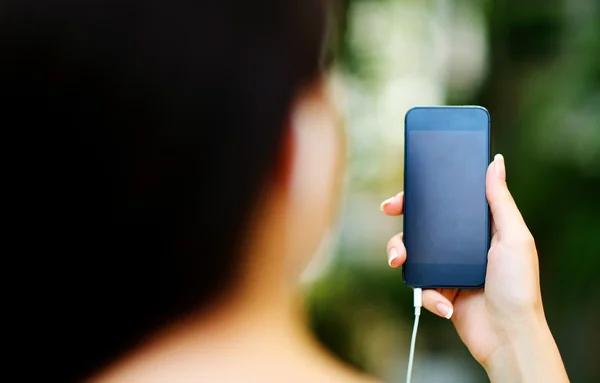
(499,323)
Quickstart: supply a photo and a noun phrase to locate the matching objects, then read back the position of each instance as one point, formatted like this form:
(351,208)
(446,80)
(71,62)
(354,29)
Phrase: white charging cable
(418,303)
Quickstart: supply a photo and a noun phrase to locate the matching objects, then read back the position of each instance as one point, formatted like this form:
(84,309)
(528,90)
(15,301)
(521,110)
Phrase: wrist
(527,354)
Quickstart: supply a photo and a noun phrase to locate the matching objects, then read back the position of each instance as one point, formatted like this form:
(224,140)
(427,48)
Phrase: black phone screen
(446,222)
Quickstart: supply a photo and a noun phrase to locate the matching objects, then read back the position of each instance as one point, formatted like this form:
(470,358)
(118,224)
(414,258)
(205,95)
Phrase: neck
(256,332)
(239,341)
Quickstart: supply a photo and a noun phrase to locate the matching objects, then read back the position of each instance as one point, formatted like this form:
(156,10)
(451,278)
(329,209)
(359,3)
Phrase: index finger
(394,205)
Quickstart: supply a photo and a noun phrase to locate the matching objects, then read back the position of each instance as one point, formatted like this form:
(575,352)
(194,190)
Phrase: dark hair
(144,134)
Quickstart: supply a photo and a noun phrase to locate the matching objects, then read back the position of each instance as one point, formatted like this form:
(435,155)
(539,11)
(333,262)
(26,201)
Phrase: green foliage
(543,92)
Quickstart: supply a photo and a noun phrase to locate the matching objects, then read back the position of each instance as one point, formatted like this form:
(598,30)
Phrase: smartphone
(446,213)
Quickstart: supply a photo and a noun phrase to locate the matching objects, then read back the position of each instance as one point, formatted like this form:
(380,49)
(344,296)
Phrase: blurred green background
(535,65)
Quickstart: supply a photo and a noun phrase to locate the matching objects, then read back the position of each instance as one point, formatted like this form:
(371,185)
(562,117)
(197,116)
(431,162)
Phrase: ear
(311,96)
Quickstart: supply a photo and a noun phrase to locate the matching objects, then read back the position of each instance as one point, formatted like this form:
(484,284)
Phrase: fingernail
(385,203)
(444,310)
(499,166)
(393,254)
(389,200)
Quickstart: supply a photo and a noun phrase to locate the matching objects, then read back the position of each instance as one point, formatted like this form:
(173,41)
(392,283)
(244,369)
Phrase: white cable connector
(418,300)
(418,303)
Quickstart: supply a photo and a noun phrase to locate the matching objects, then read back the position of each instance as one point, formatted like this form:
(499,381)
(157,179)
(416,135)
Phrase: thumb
(505,213)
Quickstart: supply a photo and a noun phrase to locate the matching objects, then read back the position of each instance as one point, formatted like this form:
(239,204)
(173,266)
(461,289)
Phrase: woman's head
(155,138)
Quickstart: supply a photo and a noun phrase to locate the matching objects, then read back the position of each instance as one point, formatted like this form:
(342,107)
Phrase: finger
(450,294)
(437,303)
(505,214)
(396,251)
(394,205)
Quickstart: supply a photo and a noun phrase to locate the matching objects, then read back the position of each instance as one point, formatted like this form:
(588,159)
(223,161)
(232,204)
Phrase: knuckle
(527,240)
(524,239)
(520,236)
